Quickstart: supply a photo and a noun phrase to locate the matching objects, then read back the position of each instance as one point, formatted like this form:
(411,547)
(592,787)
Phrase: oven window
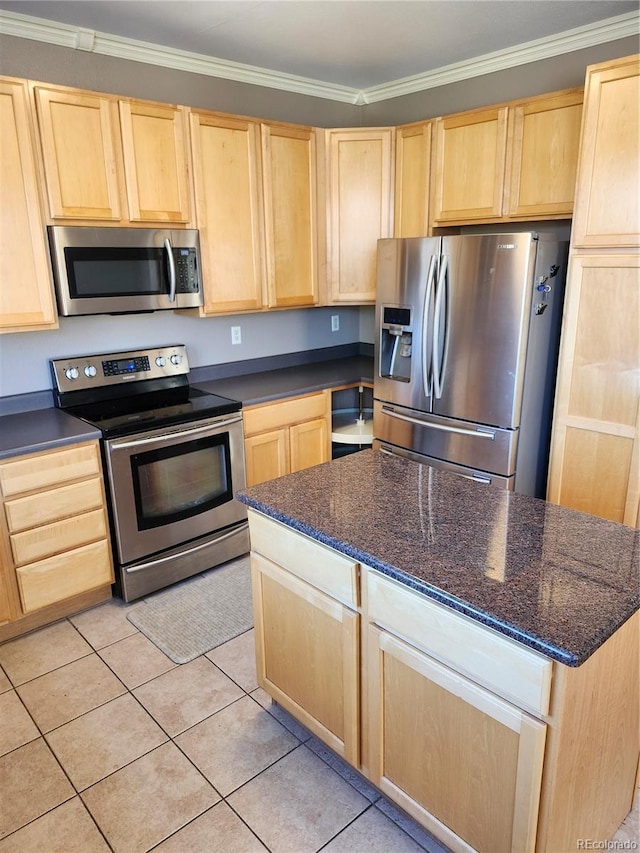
(174,483)
(103,272)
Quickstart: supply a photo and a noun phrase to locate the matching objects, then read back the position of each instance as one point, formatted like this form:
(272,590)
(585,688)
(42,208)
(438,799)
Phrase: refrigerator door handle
(442,292)
(476,433)
(426,365)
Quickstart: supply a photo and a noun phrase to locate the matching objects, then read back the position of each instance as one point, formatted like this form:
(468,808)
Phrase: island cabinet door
(461,761)
(307,655)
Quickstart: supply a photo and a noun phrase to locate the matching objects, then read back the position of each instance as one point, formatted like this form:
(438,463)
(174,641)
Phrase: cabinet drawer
(55,504)
(42,470)
(49,539)
(518,674)
(284,413)
(320,566)
(65,575)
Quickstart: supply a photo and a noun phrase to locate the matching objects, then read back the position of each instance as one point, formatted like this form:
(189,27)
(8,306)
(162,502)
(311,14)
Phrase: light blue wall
(24,357)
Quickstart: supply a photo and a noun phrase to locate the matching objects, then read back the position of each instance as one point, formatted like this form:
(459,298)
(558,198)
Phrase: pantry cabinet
(595,446)
(359,209)
(55,534)
(228,196)
(287,436)
(26,295)
(412,179)
(312,614)
(290,215)
(114,161)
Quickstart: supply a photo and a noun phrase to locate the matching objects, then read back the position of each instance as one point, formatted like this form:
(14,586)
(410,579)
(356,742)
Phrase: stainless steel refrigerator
(467,335)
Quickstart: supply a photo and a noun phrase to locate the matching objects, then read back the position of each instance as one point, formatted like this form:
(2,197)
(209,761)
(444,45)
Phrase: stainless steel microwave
(124,270)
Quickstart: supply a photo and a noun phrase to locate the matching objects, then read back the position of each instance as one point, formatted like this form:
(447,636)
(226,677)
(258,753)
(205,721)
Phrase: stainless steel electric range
(173,458)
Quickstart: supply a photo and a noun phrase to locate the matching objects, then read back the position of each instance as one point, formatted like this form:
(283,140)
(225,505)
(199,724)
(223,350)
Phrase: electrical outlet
(236,335)
(335,322)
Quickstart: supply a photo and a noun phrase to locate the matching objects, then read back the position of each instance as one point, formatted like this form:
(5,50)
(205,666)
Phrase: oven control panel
(78,373)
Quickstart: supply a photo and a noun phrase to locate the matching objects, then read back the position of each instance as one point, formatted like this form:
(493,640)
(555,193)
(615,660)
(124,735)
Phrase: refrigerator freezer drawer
(462,443)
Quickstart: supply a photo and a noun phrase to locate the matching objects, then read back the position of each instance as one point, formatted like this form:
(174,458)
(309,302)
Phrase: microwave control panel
(186,265)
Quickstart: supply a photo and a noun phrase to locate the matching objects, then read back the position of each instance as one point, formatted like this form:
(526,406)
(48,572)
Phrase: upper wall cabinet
(228,197)
(608,194)
(26,294)
(113,161)
(515,161)
(413,170)
(359,207)
(289,193)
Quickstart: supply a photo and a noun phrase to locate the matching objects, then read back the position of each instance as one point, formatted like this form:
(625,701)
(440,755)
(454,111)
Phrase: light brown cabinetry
(113,161)
(26,295)
(313,615)
(287,436)
(512,161)
(290,216)
(228,196)
(56,536)
(359,209)
(595,447)
(413,175)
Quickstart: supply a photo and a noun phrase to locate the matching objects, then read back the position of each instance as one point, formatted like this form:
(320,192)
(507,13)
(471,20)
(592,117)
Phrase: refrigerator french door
(467,332)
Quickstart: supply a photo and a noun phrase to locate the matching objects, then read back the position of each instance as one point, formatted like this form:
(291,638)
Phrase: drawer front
(284,413)
(65,575)
(322,567)
(43,470)
(53,505)
(49,539)
(504,666)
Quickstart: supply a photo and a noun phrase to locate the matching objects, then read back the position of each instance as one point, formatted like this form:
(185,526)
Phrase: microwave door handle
(426,377)
(442,292)
(172,269)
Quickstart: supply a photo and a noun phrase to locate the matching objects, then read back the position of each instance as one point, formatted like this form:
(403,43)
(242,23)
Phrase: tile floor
(106,744)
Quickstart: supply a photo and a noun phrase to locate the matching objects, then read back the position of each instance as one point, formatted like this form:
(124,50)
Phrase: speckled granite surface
(559,581)
(29,432)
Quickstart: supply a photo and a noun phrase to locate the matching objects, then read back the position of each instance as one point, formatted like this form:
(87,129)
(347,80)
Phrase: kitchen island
(472,652)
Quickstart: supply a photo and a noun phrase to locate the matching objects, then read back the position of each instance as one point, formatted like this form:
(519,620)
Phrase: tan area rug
(199,614)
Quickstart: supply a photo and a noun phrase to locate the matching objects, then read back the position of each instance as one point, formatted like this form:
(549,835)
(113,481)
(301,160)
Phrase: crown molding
(77,38)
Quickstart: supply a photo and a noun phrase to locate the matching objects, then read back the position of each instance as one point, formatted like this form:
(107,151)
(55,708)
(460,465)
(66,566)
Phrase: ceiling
(358,44)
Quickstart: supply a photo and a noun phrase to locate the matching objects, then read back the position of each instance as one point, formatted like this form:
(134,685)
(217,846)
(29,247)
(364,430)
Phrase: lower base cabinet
(487,744)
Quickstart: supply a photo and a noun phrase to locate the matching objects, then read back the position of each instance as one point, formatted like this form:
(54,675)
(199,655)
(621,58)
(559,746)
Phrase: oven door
(169,486)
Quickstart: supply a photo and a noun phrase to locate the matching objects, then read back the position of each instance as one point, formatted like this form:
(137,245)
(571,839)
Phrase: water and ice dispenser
(396,336)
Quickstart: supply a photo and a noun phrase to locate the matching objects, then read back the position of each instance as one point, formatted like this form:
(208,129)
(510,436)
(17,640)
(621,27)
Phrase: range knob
(71,373)
(90,371)
(160,361)
(176,359)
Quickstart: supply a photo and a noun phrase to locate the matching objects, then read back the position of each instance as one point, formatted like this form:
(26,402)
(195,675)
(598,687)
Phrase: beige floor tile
(372,832)
(42,651)
(281,715)
(32,783)
(67,829)
(105,624)
(187,694)
(237,659)
(236,744)
(145,802)
(66,693)
(219,829)
(16,726)
(343,769)
(297,804)
(420,835)
(5,684)
(104,740)
(136,660)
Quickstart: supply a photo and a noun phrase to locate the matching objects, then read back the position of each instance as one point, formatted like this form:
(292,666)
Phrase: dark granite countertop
(559,581)
(43,429)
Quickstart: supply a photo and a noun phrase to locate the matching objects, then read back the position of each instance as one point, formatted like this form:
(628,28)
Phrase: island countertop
(559,581)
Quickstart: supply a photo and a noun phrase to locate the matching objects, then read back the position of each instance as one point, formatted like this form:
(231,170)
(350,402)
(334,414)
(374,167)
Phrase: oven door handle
(183,433)
(172,269)
(151,563)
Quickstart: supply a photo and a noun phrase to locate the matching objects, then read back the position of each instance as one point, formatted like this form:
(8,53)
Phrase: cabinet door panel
(26,295)
(467,762)
(43,470)
(228,206)
(308,655)
(78,132)
(155,162)
(309,444)
(267,456)
(413,170)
